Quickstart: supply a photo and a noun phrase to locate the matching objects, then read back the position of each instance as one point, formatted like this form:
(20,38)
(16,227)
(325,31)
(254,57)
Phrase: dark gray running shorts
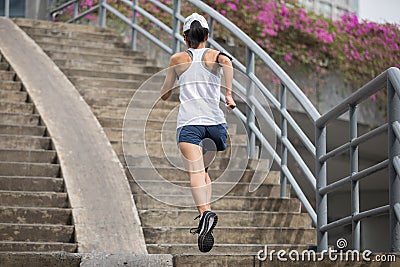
(195,134)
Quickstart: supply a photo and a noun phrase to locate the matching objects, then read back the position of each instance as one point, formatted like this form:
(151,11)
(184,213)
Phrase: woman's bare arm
(228,75)
(170,79)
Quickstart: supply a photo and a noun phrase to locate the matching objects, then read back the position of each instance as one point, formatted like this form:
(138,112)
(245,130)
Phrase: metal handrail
(7,8)
(389,78)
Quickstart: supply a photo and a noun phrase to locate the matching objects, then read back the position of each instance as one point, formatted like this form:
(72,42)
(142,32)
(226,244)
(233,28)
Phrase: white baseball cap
(189,20)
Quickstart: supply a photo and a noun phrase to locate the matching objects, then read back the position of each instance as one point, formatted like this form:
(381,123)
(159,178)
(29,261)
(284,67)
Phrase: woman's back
(199,92)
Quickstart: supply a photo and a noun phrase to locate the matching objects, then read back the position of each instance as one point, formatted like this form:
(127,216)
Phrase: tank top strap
(204,54)
(197,54)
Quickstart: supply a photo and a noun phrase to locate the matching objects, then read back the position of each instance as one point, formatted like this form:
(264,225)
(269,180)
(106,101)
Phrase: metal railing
(7,8)
(318,183)
(390,79)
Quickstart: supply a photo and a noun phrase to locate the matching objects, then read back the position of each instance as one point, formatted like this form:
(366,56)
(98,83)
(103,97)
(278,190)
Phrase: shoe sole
(206,240)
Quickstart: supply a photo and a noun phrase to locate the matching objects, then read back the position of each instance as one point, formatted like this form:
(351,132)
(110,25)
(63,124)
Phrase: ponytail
(196,34)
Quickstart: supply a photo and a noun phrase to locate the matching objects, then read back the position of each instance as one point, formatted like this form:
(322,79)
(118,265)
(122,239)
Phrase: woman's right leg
(200,185)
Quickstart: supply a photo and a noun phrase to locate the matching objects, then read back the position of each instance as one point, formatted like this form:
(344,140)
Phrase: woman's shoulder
(211,55)
(180,57)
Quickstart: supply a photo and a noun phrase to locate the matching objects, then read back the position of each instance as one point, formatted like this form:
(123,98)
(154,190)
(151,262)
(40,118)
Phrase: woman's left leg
(200,182)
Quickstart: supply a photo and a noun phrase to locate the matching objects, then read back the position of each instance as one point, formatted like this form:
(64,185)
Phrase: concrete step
(65,33)
(105,74)
(35,215)
(16,107)
(161,111)
(33,199)
(38,247)
(233,235)
(13,96)
(40,259)
(227,203)
(158,218)
(276,261)
(152,104)
(39,184)
(24,142)
(86,49)
(36,232)
(106,66)
(227,249)
(118,122)
(142,122)
(162,136)
(219,189)
(10,85)
(118,107)
(34,156)
(106,92)
(249,259)
(219,163)
(7,75)
(4,66)
(111,106)
(169,148)
(155,94)
(22,130)
(29,169)
(19,119)
(60,26)
(175,174)
(78,42)
(57,55)
(104,82)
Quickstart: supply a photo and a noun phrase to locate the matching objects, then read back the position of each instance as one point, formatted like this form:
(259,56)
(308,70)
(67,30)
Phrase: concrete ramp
(104,212)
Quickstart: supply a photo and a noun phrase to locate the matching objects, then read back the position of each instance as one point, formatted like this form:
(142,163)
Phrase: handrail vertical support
(251,137)
(49,7)
(7,9)
(211,31)
(322,199)
(283,97)
(76,10)
(134,21)
(102,14)
(176,26)
(394,177)
(355,190)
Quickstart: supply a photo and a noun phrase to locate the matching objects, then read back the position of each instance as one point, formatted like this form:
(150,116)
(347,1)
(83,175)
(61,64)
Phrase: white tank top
(199,94)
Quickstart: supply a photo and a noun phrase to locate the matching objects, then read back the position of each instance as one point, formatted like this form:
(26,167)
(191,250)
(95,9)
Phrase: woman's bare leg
(200,182)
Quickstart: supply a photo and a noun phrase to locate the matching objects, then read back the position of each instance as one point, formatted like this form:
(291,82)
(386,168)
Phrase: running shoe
(207,223)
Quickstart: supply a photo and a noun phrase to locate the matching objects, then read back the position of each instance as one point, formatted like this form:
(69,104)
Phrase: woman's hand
(230,102)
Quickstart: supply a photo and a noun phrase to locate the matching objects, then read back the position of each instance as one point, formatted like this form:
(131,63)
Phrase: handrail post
(355,190)
(49,8)
(7,9)
(134,21)
(250,116)
(394,177)
(283,97)
(211,31)
(76,10)
(102,14)
(322,201)
(175,26)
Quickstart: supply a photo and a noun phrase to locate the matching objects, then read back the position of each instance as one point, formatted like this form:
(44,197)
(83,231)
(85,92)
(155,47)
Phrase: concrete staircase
(107,74)
(34,209)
